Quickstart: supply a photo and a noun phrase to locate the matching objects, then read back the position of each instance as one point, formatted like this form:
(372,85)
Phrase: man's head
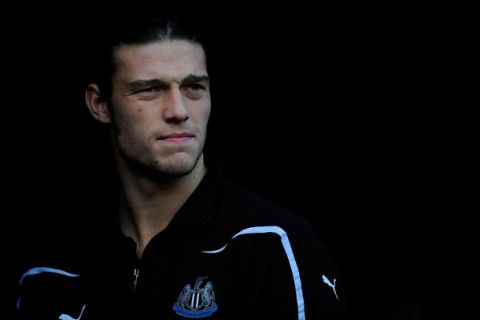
(155,93)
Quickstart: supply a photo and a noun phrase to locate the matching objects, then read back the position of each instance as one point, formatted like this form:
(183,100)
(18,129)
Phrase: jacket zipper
(136,274)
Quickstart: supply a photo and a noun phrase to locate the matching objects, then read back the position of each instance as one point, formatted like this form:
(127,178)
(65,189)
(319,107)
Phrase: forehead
(162,58)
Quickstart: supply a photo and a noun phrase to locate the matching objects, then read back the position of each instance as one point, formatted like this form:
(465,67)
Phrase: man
(185,242)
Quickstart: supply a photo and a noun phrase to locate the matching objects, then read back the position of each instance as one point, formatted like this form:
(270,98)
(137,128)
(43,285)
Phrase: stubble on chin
(175,167)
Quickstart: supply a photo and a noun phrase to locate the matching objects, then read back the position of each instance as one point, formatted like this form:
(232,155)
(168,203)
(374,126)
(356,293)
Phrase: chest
(192,277)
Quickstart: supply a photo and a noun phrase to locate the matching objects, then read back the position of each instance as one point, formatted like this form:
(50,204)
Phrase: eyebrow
(143,83)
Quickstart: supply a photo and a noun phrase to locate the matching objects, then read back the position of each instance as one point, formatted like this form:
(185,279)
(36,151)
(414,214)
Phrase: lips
(176,137)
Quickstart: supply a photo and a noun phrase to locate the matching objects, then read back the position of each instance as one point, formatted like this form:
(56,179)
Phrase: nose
(175,107)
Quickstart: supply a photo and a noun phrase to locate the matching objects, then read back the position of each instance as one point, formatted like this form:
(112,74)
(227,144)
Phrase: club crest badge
(198,302)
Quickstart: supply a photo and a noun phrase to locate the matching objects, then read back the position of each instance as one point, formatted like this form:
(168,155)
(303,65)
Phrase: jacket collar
(197,212)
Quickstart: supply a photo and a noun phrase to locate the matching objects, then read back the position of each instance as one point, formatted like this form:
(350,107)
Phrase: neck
(148,205)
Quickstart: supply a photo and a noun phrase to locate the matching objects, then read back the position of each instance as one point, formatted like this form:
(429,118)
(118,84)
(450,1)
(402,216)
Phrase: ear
(96,104)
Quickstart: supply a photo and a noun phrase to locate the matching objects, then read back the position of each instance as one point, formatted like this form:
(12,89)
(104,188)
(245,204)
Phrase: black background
(357,118)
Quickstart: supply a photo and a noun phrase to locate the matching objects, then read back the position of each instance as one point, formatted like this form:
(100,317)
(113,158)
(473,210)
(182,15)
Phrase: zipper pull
(136,273)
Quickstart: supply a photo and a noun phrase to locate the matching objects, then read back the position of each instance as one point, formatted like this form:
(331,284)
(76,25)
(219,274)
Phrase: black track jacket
(227,254)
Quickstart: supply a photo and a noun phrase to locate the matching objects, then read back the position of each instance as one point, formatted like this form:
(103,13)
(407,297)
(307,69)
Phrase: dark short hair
(136,28)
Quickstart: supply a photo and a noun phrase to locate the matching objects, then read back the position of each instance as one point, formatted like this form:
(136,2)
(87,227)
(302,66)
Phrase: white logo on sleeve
(64,316)
(325,280)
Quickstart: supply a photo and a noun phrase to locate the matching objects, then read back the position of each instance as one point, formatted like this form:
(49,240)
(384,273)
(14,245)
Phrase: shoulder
(248,208)
(245,212)
(286,243)
(237,206)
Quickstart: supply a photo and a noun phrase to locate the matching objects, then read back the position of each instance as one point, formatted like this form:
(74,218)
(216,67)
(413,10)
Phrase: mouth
(176,137)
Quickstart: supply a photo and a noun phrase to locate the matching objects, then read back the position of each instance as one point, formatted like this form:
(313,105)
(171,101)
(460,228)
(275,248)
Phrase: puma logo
(64,316)
(325,279)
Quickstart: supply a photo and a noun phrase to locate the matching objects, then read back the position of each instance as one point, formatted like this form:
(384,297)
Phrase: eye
(149,92)
(194,90)
(149,89)
(194,87)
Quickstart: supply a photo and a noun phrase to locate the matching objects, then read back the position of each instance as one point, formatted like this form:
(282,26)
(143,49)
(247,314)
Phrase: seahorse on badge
(185,295)
(208,296)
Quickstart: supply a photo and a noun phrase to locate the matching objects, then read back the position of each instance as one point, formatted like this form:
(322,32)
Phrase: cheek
(200,116)
(137,116)
(132,125)
(202,120)
(206,115)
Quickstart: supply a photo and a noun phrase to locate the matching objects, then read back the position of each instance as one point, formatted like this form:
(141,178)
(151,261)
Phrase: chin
(177,167)
(176,171)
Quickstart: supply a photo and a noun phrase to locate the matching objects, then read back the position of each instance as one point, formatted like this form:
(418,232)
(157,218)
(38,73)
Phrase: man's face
(160,105)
